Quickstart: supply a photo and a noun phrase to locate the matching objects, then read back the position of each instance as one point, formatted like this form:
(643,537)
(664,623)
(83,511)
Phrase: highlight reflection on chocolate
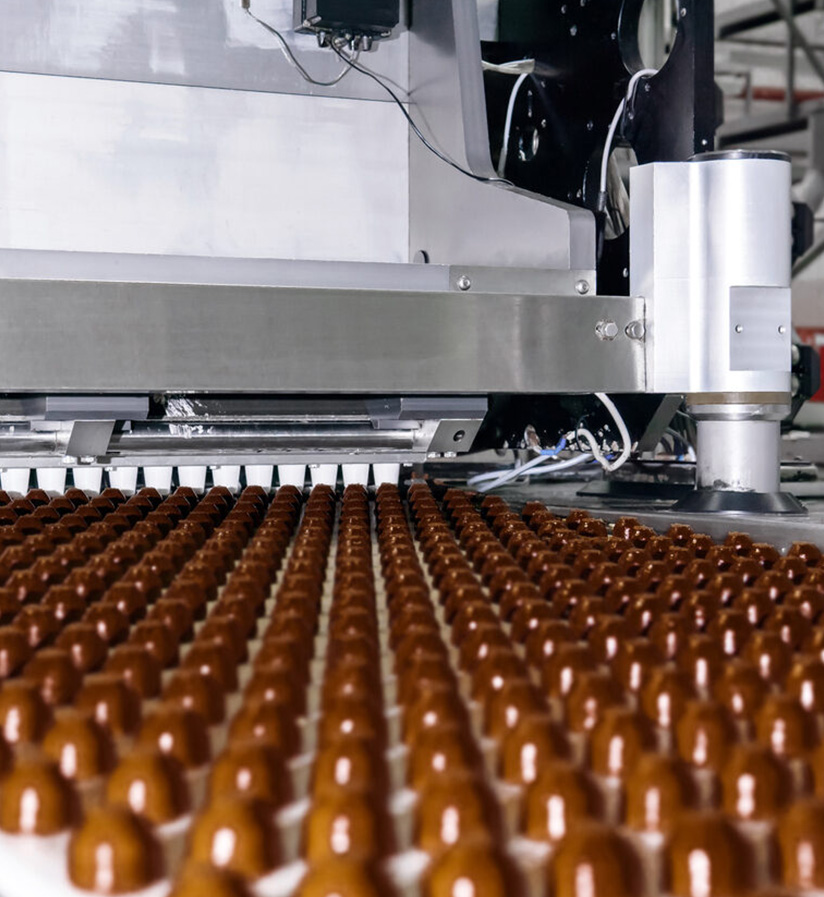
(81,747)
(35,799)
(251,769)
(114,851)
(237,834)
(152,784)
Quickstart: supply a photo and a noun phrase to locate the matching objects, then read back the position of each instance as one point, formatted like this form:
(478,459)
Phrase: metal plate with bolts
(61,336)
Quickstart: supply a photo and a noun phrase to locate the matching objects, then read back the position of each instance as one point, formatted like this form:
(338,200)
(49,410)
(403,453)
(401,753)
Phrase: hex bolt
(635,330)
(582,287)
(464,283)
(606,330)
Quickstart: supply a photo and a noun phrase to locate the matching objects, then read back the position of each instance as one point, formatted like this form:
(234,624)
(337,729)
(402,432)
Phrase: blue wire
(551,453)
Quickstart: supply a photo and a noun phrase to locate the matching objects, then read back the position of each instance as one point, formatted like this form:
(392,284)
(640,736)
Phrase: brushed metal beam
(74,336)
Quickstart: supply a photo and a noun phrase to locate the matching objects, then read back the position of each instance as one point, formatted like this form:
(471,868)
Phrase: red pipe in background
(779,94)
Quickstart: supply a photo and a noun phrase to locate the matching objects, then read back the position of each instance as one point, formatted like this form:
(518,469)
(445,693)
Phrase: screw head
(582,287)
(464,283)
(606,330)
(635,330)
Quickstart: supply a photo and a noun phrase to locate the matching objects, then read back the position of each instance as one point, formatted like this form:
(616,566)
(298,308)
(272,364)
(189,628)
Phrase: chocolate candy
(152,784)
(558,800)
(237,834)
(595,859)
(114,852)
(251,769)
(484,868)
(707,851)
(35,799)
(81,746)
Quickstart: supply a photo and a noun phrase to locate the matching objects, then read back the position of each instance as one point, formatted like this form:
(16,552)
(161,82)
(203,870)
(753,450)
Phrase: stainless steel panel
(454,219)
(760,328)
(106,166)
(110,337)
(26,264)
(206,43)
(702,230)
(89,438)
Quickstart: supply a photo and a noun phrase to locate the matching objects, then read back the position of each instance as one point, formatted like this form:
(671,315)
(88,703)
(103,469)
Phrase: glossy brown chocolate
(81,747)
(707,854)
(237,834)
(344,877)
(476,867)
(251,769)
(659,790)
(112,701)
(558,800)
(595,859)
(35,799)
(178,731)
(198,880)
(152,784)
(455,809)
(114,852)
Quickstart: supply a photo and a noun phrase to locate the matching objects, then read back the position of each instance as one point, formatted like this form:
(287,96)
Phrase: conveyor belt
(401,697)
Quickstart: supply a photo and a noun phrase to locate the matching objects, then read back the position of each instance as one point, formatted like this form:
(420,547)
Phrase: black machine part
(348,18)
(585,55)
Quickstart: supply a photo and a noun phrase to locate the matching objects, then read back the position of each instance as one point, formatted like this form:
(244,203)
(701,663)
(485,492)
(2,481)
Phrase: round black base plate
(711,502)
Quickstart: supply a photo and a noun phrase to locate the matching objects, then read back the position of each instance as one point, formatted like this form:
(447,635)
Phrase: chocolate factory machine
(399,236)
(434,248)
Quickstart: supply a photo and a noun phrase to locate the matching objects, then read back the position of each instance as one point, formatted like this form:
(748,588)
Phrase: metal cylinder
(711,252)
(738,455)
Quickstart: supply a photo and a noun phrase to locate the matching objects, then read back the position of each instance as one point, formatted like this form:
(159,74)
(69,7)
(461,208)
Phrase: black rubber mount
(631,489)
(708,501)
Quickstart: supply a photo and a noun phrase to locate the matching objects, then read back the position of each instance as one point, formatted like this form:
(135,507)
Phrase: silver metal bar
(798,36)
(269,441)
(147,338)
(766,42)
(190,444)
(749,16)
(119,267)
(791,43)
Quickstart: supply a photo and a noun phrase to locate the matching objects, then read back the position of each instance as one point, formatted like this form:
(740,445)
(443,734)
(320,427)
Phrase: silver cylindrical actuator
(711,243)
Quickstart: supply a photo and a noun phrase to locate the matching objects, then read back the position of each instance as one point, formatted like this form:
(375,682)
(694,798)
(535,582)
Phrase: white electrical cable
(496,474)
(508,125)
(619,112)
(290,55)
(539,466)
(531,468)
(592,442)
(516,67)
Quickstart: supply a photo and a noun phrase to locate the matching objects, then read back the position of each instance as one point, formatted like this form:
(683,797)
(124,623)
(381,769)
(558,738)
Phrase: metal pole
(798,36)
(790,96)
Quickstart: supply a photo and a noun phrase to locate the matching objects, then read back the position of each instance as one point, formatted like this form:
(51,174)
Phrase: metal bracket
(90,438)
